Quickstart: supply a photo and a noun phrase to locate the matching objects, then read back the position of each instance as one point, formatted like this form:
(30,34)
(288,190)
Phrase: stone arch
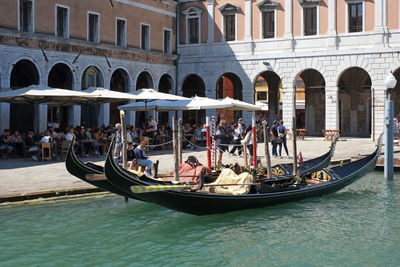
(165,85)
(24,73)
(229,85)
(120,81)
(268,90)
(60,76)
(310,101)
(91,77)
(144,80)
(354,86)
(194,85)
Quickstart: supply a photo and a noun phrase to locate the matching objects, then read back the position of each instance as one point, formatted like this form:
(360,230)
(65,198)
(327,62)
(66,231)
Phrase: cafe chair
(46,151)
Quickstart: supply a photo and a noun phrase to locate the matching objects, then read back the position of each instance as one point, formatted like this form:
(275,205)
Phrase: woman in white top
(237,137)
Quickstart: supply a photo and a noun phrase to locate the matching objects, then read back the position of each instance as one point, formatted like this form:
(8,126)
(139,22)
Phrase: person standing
(118,142)
(221,139)
(152,127)
(282,133)
(274,138)
(237,137)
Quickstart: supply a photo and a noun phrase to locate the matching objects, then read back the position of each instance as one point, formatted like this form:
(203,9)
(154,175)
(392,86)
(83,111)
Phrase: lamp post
(390,83)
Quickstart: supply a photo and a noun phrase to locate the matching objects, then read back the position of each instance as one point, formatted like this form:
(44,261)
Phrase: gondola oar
(138,189)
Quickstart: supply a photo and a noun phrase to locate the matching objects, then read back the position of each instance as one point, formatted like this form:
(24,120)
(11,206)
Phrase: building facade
(122,45)
(337,53)
(323,60)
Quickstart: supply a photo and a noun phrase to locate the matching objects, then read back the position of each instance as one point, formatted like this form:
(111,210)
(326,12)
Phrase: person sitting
(142,158)
(19,144)
(30,143)
(70,134)
(130,156)
(83,149)
(5,140)
(98,137)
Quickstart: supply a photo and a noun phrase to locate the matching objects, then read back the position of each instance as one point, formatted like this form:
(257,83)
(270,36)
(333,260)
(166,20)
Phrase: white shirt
(45,139)
(69,136)
(153,124)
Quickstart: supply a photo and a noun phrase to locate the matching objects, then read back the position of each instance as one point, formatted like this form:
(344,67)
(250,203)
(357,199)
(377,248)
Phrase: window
(229,14)
(167,42)
(193,24)
(193,30)
(229,28)
(93,27)
(268,13)
(145,37)
(26,16)
(121,32)
(355,13)
(310,16)
(310,20)
(62,21)
(268,24)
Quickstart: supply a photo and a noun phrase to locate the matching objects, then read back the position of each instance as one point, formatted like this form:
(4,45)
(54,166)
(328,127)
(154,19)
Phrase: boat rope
(163,144)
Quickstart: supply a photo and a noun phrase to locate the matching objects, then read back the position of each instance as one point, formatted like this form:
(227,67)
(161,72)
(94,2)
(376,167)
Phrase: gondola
(201,203)
(80,170)
(309,166)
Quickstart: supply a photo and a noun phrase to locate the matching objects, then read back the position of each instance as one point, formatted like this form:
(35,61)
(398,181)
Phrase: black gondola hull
(198,203)
(79,169)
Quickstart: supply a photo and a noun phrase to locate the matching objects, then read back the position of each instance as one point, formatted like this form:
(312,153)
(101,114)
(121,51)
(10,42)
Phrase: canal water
(357,226)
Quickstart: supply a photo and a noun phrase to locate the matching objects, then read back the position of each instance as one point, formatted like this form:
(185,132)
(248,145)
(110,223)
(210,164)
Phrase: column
(288,44)
(288,105)
(332,17)
(332,107)
(75,111)
(4,107)
(288,19)
(378,123)
(210,21)
(380,23)
(248,20)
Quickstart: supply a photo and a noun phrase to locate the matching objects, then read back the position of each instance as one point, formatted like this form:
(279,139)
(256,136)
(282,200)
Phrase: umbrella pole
(266,147)
(37,120)
(254,142)
(208,142)
(124,139)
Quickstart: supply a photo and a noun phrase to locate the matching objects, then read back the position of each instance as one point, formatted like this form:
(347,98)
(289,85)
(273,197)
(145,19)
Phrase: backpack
(281,131)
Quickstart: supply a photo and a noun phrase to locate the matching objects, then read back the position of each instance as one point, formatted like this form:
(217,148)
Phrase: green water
(357,226)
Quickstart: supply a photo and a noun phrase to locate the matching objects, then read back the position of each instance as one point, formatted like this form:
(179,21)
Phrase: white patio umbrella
(194,103)
(99,95)
(41,94)
(148,94)
(262,105)
(239,105)
(151,94)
